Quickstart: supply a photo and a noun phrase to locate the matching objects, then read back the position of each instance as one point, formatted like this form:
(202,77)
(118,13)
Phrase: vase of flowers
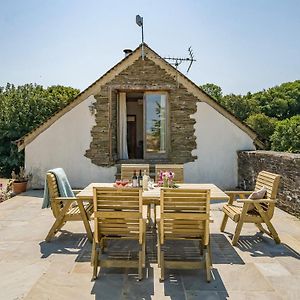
(166,178)
(20,180)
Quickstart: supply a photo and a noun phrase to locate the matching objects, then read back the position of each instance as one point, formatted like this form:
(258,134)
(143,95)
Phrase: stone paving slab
(30,268)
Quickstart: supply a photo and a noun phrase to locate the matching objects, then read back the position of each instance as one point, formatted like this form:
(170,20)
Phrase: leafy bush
(286,136)
(24,108)
(263,125)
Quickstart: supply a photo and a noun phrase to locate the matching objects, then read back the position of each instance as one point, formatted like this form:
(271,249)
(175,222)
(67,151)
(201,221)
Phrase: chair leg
(141,264)
(260,228)
(273,232)
(224,222)
(158,245)
(162,266)
(207,257)
(237,232)
(93,253)
(209,253)
(144,247)
(96,261)
(59,222)
(154,215)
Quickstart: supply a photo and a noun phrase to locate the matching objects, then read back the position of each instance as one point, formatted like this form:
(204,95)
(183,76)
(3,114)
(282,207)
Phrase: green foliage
(213,90)
(24,108)
(286,136)
(240,106)
(281,101)
(261,111)
(263,125)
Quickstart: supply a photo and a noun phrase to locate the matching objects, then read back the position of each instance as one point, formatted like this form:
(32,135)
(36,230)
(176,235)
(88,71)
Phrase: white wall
(218,141)
(64,144)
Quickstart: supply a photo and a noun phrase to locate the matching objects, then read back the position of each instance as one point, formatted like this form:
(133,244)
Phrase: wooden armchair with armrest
(64,209)
(257,211)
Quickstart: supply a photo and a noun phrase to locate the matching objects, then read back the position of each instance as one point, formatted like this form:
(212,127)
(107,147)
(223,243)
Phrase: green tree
(263,125)
(281,101)
(286,136)
(213,90)
(240,106)
(24,108)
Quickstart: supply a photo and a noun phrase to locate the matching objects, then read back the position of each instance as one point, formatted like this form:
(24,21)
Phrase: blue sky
(239,45)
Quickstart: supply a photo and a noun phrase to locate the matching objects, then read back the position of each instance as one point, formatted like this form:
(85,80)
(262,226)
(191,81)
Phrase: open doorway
(135,125)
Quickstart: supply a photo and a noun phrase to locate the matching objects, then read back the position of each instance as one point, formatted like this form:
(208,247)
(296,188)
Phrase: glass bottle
(140,179)
(134,179)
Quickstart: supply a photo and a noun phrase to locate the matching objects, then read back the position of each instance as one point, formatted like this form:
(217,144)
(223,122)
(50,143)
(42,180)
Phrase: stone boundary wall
(250,163)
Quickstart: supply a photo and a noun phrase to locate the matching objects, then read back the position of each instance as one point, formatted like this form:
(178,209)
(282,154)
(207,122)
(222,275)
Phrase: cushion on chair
(260,194)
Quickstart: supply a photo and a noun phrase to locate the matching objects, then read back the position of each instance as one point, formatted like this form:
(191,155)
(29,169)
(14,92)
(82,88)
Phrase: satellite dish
(139,20)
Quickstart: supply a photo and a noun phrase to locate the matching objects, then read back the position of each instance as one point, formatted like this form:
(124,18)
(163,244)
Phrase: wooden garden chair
(176,168)
(65,209)
(262,209)
(119,214)
(184,215)
(128,169)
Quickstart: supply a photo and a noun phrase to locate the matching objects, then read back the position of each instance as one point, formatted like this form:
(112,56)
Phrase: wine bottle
(134,179)
(140,179)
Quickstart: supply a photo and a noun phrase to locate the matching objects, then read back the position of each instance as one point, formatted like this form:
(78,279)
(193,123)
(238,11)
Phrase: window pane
(156,123)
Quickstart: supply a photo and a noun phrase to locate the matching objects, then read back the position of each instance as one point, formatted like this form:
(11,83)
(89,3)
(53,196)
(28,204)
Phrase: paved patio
(30,268)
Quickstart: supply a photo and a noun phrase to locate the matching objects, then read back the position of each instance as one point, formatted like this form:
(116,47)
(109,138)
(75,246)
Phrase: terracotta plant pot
(19,187)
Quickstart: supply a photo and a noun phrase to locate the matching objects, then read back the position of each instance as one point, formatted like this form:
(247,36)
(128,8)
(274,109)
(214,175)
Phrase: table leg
(85,220)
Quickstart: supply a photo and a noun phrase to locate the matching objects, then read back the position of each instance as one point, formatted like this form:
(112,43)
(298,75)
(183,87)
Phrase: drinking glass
(151,183)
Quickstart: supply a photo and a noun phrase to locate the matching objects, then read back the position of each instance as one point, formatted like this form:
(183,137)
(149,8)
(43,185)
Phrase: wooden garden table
(151,196)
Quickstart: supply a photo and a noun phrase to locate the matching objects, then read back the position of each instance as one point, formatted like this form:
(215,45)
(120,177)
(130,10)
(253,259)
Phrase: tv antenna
(176,61)
(140,23)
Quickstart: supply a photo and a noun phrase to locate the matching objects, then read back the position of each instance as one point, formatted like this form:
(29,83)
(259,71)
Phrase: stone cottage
(141,110)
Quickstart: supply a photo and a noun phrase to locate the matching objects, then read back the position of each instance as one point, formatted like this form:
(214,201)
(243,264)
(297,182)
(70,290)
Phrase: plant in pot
(19,180)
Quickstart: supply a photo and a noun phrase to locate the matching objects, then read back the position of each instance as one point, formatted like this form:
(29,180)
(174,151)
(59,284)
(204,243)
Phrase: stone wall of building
(250,163)
(144,75)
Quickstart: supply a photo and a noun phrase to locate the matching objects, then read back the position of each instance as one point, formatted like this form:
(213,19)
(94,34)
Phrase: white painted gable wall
(218,141)
(64,144)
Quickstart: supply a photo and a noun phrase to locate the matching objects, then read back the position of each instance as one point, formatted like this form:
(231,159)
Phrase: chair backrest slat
(128,169)
(117,212)
(271,182)
(185,213)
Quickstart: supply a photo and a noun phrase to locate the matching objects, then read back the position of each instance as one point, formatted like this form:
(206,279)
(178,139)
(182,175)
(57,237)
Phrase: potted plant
(19,180)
